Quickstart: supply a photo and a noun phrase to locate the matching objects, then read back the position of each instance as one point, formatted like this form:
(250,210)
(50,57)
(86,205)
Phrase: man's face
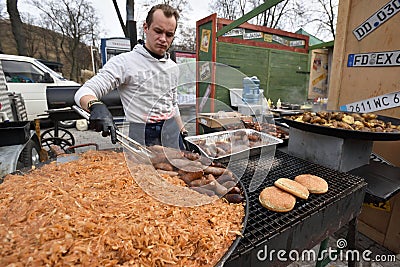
(160,33)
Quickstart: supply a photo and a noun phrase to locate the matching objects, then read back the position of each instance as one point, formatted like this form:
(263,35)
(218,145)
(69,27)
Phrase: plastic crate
(14,133)
(235,95)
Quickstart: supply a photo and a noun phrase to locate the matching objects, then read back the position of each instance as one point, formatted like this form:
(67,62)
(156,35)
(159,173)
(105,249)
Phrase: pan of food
(364,126)
(274,129)
(223,145)
(91,211)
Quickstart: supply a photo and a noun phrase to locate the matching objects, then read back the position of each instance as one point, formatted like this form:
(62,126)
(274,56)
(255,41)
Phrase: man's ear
(145,28)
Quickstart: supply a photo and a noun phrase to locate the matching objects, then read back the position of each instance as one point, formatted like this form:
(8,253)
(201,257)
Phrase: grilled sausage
(229,184)
(156,148)
(234,190)
(158,158)
(205,161)
(167,152)
(224,178)
(164,166)
(234,198)
(173,154)
(216,171)
(200,182)
(180,163)
(170,173)
(210,177)
(191,155)
(188,177)
(216,187)
(220,152)
(224,146)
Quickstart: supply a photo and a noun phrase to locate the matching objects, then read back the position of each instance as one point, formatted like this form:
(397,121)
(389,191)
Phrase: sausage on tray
(199,182)
(188,177)
(158,158)
(216,171)
(226,176)
(234,190)
(216,187)
(229,184)
(234,198)
(170,173)
(163,166)
(191,155)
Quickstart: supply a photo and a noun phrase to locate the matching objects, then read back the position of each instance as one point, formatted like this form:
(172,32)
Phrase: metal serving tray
(344,133)
(226,136)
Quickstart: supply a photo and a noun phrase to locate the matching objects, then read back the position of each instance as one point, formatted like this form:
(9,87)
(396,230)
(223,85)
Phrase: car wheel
(29,155)
(67,124)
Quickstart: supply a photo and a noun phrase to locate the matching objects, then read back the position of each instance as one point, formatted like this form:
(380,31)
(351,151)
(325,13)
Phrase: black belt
(155,126)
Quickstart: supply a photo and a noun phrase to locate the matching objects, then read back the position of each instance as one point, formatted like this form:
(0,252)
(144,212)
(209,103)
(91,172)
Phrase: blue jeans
(165,133)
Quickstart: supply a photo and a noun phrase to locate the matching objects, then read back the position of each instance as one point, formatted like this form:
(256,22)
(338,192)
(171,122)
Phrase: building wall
(283,74)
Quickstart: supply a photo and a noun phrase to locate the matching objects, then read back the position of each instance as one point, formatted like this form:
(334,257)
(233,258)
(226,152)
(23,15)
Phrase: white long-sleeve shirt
(147,86)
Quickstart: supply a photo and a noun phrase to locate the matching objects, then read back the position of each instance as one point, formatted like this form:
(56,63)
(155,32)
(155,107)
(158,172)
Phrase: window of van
(21,72)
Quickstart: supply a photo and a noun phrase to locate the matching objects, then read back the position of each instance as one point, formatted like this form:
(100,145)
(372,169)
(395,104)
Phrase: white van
(30,77)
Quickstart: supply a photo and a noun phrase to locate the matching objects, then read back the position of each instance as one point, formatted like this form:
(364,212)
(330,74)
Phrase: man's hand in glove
(101,120)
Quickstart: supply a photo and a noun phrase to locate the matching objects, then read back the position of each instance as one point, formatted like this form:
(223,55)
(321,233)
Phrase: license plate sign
(378,59)
(377,19)
(382,102)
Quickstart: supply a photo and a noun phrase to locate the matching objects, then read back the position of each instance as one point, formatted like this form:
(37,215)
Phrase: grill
(61,99)
(308,223)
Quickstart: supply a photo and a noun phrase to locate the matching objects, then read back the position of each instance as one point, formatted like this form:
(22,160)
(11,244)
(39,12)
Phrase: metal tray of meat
(236,143)
(275,129)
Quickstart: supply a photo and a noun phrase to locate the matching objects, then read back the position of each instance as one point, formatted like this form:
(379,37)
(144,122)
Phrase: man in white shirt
(147,81)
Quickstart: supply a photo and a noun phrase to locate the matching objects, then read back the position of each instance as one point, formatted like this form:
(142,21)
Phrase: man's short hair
(168,11)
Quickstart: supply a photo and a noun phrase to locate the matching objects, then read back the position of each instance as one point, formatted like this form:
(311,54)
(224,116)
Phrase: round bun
(314,184)
(292,187)
(276,199)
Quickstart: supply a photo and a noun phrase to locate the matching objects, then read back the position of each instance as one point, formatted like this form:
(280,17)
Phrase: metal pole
(120,18)
(91,54)
(130,22)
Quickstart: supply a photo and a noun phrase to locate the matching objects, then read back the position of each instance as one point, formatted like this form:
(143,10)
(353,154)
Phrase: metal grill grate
(263,224)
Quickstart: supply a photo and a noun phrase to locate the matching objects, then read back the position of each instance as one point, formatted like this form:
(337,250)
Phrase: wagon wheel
(64,144)
(62,133)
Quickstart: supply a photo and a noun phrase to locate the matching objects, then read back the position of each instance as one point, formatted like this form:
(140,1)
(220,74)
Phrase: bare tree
(228,9)
(77,23)
(187,40)
(16,27)
(328,18)
(319,16)
(53,39)
(32,35)
(2,16)
(272,17)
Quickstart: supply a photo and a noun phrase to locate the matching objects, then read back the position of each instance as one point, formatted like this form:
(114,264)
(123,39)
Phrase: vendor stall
(366,79)
(279,59)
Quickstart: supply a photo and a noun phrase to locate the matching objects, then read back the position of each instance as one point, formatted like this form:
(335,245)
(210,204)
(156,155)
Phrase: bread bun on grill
(276,199)
(292,187)
(314,184)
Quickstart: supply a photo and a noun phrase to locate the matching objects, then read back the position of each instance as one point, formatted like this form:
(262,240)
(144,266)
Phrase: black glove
(184,134)
(101,120)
